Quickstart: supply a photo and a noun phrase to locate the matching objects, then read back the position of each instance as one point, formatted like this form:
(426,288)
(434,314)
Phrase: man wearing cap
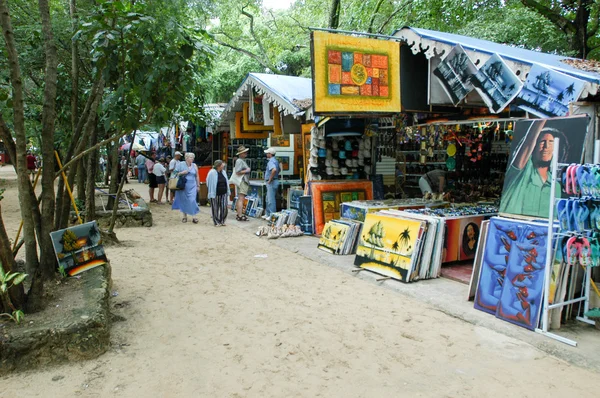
(172,165)
(271,178)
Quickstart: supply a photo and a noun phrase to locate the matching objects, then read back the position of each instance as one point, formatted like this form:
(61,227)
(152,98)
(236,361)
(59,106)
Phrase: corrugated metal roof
(550,61)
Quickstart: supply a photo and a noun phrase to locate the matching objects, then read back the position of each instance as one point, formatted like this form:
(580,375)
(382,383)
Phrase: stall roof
(434,43)
(291,95)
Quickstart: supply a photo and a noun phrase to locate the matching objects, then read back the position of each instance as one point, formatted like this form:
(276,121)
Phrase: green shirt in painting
(525,193)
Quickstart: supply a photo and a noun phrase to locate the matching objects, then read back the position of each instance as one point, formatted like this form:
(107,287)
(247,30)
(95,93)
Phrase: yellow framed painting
(249,126)
(354,75)
(241,134)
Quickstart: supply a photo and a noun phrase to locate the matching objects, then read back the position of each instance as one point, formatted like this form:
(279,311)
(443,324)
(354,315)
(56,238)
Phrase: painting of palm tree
(404,238)
(570,90)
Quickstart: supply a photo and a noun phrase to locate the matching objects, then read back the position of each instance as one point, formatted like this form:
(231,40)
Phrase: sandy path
(206,318)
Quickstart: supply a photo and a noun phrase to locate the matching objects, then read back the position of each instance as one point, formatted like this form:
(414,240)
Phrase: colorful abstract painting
(79,248)
(354,74)
(389,245)
(327,198)
(511,281)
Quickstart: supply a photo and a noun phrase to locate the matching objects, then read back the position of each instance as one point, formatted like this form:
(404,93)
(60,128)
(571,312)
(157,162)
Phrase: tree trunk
(17,293)
(114,174)
(580,40)
(74,66)
(47,259)
(21,139)
(113,217)
(92,168)
(334,14)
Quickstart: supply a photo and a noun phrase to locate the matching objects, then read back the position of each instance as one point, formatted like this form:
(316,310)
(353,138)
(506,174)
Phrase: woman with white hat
(242,169)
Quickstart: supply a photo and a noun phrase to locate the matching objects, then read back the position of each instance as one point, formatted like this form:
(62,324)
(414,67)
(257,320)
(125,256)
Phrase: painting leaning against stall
(354,74)
(79,248)
(389,245)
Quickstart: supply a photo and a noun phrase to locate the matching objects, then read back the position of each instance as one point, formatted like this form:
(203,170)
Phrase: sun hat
(328,163)
(313,163)
(342,155)
(241,149)
(329,154)
(321,143)
(322,152)
(271,150)
(314,151)
(344,171)
(329,171)
(348,145)
(335,163)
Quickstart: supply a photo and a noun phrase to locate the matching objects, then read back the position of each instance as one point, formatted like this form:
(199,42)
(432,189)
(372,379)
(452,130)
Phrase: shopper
(102,163)
(31,165)
(172,167)
(159,171)
(433,182)
(272,181)
(123,169)
(185,199)
(241,169)
(140,162)
(218,192)
(152,185)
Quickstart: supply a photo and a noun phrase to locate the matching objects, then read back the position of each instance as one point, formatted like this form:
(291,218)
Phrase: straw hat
(242,149)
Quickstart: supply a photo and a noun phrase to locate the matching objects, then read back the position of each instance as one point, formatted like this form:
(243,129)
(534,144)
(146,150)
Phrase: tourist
(31,165)
(185,199)
(151,176)
(218,192)
(272,181)
(433,182)
(123,169)
(241,169)
(172,167)
(102,163)
(159,171)
(140,162)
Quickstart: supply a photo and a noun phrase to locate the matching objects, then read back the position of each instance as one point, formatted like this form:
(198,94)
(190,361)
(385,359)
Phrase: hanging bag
(235,179)
(173,183)
(181,182)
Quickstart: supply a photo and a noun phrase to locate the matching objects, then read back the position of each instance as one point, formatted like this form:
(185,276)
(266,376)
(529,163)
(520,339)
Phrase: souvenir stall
(269,111)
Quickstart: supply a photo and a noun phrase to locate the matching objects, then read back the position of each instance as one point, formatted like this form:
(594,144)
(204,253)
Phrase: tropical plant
(8,280)
(404,238)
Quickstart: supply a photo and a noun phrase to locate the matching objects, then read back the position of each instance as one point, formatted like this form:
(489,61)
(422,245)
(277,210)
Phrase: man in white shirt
(172,166)
(159,171)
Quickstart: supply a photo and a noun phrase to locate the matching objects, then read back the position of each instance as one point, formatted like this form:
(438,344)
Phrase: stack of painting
(511,276)
(340,236)
(328,196)
(403,246)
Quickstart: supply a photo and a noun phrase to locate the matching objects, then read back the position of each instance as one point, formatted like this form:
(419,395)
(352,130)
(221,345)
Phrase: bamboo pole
(64,176)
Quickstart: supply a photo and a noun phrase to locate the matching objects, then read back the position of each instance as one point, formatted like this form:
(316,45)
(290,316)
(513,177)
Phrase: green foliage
(7,281)
(62,272)
(69,241)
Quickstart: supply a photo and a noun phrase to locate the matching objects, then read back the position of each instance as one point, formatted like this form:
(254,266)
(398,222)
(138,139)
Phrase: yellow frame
(240,134)
(324,103)
(253,127)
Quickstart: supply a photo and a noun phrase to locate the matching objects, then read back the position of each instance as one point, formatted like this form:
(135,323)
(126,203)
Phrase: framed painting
(241,134)
(354,75)
(389,245)
(250,126)
(306,144)
(333,235)
(79,248)
(327,198)
(305,213)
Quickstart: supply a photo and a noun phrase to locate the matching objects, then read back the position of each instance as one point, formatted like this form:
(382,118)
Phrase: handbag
(173,184)
(181,182)
(235,179)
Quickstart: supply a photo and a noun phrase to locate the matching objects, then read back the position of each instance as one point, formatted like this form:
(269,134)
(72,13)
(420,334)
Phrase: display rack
(550,250)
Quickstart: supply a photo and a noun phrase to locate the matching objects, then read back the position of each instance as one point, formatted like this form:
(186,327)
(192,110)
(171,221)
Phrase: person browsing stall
(151,176)
(434,181)
(140,162)
(272,180)
(172,166)
(185,199)
(242,169)
(218,192)
(160,172)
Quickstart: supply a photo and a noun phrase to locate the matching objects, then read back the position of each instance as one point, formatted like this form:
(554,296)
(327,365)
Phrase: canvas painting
(352,74)
(496,83)
(523,288)
(547,93)
(327,198)
(305,214)
(256,109)
(455,73)
(478,260)
(333,235)
(527,180)
(469,237)
(249,125)
(79,248)
(389,245)
(242,134)
(511,280)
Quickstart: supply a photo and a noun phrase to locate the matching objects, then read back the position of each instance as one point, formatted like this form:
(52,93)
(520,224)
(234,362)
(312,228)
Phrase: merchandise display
(328,196)
(340,236)
(358,210)
(511,280)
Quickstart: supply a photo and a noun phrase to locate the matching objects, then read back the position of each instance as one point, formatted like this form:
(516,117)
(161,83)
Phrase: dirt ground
(205,317)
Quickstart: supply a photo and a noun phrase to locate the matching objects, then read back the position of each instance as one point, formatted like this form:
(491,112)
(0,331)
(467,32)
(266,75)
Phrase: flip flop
(581,215)
(585,253)
(184,219)
(572,251)
(582,173)
(563,214)
(195,220)
(573,176)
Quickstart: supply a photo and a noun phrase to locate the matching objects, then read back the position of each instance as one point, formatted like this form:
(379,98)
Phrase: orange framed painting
(354,75)
(249,126)
(241,134)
